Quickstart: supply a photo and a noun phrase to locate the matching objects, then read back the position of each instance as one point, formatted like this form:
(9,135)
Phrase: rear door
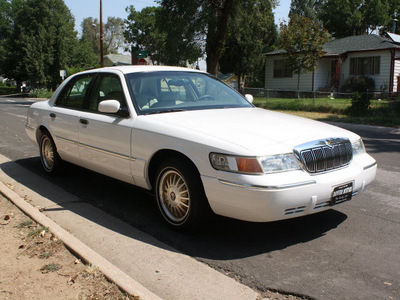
(64,115)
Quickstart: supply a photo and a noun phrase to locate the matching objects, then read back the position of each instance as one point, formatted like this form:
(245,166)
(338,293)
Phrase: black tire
(180,195)
(51,161)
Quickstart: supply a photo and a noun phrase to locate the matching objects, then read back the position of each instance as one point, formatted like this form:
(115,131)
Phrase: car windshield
(168,91)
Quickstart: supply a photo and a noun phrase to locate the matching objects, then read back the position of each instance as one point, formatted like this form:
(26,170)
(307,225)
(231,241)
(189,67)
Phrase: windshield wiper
(164,111)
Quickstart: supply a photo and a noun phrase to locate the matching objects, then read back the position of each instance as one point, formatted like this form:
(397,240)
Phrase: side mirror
(109,106)
(249,98)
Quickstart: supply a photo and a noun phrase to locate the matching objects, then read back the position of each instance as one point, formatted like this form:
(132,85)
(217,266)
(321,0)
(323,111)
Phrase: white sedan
(198,145)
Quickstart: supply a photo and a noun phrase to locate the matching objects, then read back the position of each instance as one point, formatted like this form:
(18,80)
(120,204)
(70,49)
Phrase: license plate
(341,193)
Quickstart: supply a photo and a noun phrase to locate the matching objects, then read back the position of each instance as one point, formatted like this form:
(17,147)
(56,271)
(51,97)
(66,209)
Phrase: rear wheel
(51,161)
(180,195)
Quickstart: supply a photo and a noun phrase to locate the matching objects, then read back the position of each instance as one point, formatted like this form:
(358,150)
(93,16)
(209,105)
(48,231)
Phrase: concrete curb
(353,126)
(114,274)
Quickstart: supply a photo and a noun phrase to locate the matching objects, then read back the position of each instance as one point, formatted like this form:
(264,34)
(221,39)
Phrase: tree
(5,26)
(113,34)
(5,21)
(143,33)
(82,56)
(40,42)
(217,23)
(91,33)
(342,17)
(355,17)
(306,8)
(200,18)
(375,14)
(183,28)
(248,39)
(303,40)
(394,13)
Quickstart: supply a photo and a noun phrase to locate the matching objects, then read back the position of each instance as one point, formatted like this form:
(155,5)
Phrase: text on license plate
(341,193)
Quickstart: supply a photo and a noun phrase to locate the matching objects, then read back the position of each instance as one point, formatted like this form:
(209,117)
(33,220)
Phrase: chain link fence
(392,100)
(290,94)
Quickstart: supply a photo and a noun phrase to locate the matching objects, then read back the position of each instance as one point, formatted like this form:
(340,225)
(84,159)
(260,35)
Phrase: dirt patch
(36,265)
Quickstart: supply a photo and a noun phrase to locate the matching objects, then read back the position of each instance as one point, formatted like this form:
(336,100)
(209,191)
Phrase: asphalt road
(350,252)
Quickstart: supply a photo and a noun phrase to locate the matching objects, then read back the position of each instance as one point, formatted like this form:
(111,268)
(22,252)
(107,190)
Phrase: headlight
(237,164)
(358,147)
(254,165)
(279,163)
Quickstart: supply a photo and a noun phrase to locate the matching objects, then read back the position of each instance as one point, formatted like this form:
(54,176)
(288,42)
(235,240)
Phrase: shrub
(359,104)
(360,84)
(74,70)
(40,93)
(6,90)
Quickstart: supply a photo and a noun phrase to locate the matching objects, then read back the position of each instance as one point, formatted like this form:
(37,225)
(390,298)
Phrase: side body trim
(272,187)
(370,166)
(98,149)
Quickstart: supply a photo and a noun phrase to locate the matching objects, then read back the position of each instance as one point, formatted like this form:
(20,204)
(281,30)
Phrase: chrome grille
(324,155)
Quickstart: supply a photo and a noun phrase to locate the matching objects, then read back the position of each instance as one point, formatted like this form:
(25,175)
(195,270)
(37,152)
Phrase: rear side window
(75,92)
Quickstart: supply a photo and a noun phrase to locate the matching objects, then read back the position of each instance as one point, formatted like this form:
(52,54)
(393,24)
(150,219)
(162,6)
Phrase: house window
(365,65)
(282,69)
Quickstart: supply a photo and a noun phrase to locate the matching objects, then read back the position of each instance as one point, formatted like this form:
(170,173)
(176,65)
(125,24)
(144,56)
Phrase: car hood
(252,129)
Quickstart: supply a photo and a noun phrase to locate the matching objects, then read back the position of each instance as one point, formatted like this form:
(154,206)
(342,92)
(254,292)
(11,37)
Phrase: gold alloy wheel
(174,196)
(47,153)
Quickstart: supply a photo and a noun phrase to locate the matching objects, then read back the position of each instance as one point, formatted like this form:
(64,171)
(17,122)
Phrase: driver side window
(108,87)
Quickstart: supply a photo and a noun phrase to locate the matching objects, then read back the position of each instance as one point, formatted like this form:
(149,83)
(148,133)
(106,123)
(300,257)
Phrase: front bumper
(285,195)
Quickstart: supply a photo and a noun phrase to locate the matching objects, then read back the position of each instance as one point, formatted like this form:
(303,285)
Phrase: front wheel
(180,195)
(49,157)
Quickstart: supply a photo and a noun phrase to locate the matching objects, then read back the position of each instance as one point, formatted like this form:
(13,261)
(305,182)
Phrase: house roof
(119,59)
(394,37)
(353,44)
(357,43)
(222,76)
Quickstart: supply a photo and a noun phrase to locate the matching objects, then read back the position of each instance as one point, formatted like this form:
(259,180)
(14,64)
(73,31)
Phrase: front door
(104,139)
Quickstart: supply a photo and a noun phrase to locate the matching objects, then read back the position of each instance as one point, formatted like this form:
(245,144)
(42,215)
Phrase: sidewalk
(151,267)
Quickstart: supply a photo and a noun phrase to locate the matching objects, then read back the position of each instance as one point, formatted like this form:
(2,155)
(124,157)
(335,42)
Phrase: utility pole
(394,22)
(101,35)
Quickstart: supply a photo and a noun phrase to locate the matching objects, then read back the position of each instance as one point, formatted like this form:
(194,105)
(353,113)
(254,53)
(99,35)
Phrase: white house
(370,55)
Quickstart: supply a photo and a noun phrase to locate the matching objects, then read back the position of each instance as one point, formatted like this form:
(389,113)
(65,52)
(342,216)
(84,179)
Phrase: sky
(282,11)
(116,8)
(111,8)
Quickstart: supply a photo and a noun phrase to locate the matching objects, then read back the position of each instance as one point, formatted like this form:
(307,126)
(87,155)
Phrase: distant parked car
(198,145)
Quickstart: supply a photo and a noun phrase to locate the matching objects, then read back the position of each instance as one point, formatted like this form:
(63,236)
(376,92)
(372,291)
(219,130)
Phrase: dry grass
(313,115)
(37,265)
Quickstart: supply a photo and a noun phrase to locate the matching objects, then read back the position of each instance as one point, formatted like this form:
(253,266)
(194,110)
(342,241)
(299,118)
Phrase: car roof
(143,68)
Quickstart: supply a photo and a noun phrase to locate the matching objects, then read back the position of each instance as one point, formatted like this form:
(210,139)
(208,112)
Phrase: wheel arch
(162,155)
(40,131)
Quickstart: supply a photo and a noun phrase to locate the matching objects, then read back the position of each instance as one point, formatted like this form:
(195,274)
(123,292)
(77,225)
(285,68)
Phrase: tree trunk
(134,60)
(19,85)
(298,86)
(212,64)
(216,37)
(241,82)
